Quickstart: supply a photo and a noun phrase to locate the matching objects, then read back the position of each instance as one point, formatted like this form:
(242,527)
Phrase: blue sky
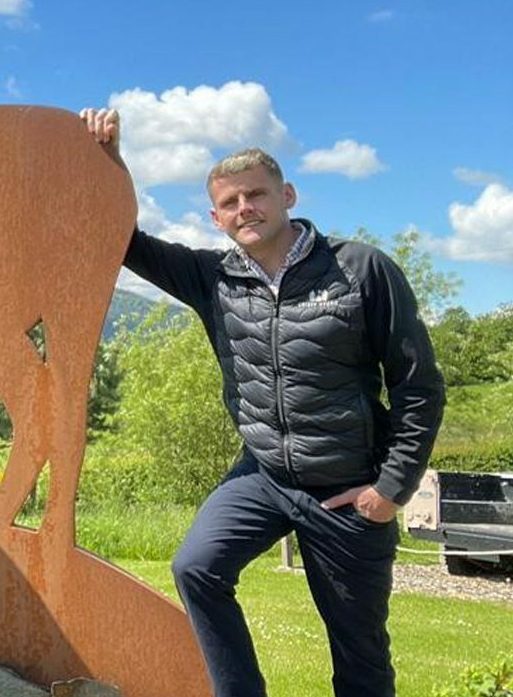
(384,115)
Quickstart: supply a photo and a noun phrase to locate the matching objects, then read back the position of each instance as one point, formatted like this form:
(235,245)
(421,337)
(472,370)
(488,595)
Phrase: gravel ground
(435,580)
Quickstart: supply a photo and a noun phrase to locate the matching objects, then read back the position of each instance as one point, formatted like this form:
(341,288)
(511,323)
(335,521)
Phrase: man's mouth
(249,223)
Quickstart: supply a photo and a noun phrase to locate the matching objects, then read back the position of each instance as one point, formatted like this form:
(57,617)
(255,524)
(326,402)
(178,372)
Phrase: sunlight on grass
(433,639)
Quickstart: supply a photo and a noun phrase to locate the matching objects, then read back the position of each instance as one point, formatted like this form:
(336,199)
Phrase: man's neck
(270,260)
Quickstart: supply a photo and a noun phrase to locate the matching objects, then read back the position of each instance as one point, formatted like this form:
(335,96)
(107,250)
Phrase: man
(306,329)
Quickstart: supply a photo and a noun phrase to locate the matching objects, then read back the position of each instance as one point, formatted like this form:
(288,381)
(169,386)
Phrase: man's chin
(249,237)
(250,229)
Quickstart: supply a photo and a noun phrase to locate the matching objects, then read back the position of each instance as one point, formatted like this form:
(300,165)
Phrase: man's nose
(245,204)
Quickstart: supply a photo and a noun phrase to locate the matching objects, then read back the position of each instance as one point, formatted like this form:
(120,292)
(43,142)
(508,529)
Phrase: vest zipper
(279,391)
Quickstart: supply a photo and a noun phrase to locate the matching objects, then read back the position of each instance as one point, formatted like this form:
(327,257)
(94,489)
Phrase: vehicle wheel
(505,565)
(460,566)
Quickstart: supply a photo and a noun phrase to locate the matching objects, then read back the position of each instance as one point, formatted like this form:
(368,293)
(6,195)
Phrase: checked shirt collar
(299,250)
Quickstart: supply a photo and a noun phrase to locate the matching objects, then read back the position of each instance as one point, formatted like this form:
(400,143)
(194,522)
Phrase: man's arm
(415,387)
(184,273)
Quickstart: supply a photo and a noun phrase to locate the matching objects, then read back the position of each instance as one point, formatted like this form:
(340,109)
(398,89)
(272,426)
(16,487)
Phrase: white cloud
(347,157)
(14,8)
(381,16)
(12,88)
(130,281)
(15,14)
(475,177)
(164,164)
(483,231)
(191,230)
(171,138)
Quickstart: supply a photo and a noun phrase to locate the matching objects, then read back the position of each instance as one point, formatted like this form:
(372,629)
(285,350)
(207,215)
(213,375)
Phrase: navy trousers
(348,565)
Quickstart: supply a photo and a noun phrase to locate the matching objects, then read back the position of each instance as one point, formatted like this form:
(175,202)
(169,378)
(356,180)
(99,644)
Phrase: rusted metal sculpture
(67,213)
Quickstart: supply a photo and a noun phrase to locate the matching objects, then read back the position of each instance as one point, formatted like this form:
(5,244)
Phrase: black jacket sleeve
(186,274)
(416,395)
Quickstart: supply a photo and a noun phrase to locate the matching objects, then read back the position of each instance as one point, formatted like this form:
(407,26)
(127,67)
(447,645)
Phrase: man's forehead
(247,179)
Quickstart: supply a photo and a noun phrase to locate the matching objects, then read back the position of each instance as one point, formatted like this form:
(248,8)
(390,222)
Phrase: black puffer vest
(299,375)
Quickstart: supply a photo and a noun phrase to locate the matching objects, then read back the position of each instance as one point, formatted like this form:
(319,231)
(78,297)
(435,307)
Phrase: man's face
(251,207)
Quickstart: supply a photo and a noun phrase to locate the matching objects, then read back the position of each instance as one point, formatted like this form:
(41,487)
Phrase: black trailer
(470,515)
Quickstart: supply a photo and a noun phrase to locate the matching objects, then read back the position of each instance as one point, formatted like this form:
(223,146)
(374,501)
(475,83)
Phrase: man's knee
(193,570)
(184,567)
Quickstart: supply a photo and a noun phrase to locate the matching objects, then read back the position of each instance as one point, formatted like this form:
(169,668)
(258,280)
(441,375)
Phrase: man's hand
(366,501)
(103,124)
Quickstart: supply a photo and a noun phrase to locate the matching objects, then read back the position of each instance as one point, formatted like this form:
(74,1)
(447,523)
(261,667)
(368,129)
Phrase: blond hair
(242,161)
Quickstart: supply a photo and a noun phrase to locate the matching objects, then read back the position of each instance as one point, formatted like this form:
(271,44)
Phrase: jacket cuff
(393,490)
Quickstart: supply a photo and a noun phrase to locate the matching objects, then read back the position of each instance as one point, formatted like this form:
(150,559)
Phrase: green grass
(433,639)
(476,414)
(422,551)
(153,533)
(149,533)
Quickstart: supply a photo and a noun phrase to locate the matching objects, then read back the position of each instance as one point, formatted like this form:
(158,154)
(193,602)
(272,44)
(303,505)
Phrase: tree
(171,408)
(451,336)
(104,390)
(490,348)
(475,350)
(433,289)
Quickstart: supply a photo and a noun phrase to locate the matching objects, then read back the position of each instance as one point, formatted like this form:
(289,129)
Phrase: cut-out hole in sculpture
(32,512)
(5,435)
(36,334)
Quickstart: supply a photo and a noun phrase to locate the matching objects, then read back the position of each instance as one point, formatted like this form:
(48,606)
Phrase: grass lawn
(432,639)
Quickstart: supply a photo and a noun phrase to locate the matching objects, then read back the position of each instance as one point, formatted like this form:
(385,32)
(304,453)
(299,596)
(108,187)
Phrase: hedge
(475,457)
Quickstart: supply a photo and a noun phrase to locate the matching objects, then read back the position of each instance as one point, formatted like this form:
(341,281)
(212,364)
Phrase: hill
(133,307)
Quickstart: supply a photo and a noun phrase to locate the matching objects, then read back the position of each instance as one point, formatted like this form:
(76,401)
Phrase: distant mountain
(133,307)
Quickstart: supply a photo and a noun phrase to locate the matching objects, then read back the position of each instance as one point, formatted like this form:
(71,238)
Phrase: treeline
(171,427)
(158,431)
(475,350)
(158,360)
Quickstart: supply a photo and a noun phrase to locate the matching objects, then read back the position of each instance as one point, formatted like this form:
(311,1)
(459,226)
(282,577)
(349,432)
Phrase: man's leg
(348,563)
(236,523)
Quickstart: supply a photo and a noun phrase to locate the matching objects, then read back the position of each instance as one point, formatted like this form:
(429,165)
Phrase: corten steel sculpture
(67,213)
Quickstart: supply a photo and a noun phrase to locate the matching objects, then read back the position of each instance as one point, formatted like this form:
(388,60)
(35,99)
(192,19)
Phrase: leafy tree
(171,409)
(363,235)
(490,349)
(432,289)
(451,338)
(475,350)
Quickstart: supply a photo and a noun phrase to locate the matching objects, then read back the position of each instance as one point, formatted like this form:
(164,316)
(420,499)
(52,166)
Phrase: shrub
(171,409)
(472,457)
(113,475)
(478,413)
(489,681)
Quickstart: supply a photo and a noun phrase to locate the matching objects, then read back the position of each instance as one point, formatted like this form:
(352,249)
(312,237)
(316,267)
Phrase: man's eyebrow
(255,190)
(229,198)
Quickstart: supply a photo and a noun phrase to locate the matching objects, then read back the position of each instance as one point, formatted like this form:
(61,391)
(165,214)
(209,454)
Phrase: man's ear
(289,195)
(215,218)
